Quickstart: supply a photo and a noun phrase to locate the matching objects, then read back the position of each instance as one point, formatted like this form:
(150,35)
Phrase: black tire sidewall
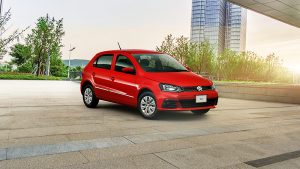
(153,115)
(95,100)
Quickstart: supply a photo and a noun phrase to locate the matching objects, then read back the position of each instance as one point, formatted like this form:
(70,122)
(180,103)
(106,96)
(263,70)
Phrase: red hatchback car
(148,80)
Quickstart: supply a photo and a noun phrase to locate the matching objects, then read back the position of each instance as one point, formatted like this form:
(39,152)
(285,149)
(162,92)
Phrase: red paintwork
(122,88)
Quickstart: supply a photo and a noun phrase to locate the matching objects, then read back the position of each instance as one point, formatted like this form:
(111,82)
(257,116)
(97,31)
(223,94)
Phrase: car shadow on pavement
(123,110)
(181,116)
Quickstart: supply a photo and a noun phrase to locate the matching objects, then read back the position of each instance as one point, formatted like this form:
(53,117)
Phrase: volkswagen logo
(199,88)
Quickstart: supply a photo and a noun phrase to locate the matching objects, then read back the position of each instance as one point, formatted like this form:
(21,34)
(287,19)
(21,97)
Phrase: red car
(148,80)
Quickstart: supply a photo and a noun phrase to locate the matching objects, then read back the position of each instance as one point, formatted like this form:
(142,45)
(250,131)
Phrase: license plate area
(201,99)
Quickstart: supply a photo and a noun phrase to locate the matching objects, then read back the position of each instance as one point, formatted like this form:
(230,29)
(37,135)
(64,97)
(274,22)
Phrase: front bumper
(186,101)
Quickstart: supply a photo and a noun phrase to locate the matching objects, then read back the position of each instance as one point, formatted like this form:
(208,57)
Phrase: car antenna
(119,46)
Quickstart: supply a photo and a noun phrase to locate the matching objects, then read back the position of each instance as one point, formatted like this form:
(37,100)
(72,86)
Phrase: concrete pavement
(44,124)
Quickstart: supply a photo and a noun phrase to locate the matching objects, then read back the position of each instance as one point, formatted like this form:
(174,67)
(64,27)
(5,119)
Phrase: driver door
(125,84)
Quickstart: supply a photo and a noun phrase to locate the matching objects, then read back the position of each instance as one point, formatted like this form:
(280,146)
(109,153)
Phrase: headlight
(213,87)
(170,88)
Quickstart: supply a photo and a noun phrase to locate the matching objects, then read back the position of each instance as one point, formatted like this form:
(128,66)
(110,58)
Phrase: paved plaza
(44,124)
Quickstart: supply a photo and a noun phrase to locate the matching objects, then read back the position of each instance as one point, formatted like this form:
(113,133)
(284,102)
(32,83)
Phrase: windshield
(159,63)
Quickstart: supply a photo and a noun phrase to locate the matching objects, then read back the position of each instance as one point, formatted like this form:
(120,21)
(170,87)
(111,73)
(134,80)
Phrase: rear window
(104,62)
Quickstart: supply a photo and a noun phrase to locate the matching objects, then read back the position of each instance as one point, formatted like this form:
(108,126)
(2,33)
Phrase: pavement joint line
(165,160)
(129,140)
(160,132)
(38,106)
(45,127)
(67,135)
(256,108)
(194,135)
(180,134)
(273,159)
(156,129)
(88,161)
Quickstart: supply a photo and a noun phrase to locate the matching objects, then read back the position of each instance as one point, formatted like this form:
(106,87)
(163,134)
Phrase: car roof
(132,51)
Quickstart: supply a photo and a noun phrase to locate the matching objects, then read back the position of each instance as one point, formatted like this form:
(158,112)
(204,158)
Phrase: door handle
(112,78)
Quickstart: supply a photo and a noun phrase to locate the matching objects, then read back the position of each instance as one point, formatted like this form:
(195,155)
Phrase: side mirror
(128,70)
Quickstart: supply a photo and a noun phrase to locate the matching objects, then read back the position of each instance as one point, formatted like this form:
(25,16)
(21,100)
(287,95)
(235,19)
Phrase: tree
(6,40)
(181,49)
(45,40)
(22,58)
(42,43)
(229,65)
(57,67)
(200,57)
(76,69)
(20,53)
(167,46)
(177,47)
(6,68)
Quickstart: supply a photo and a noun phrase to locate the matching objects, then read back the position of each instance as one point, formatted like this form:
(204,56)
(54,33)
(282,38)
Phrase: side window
(104,62)
(123,62)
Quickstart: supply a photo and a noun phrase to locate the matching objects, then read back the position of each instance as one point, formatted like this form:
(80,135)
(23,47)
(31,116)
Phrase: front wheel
(89,97)
(147,105)
(200,112)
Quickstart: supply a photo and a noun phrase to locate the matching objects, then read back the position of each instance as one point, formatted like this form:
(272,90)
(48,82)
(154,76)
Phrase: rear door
(102,76)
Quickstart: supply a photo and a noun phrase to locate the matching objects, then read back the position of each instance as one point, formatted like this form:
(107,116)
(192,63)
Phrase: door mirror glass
(128,70)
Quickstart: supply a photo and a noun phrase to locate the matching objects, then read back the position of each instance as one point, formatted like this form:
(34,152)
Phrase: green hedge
(27,76)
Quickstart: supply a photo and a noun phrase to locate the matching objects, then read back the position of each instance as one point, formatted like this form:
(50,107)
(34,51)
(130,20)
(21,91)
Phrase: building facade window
(220,22)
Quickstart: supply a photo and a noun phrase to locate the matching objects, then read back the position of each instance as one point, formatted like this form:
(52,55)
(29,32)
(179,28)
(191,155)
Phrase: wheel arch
(87,82)
(142,91)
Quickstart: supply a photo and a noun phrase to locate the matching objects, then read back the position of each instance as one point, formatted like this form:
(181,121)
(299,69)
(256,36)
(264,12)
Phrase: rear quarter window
(103,62)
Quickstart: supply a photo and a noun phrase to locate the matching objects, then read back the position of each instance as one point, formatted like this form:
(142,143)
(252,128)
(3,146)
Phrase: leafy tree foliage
(57,67)
(6,68)
(20,54)
(228,65)
(76,69)
(5,40)
(44,42)
(201,57)
(168,45)
(46,39)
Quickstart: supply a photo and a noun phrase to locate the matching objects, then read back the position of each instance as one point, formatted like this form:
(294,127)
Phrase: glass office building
(220,22)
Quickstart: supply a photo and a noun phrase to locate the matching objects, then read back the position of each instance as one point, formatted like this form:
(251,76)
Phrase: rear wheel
(200,112)
(147,105)
(89,97)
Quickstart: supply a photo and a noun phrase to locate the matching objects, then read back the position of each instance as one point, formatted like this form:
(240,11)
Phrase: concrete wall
(268,92)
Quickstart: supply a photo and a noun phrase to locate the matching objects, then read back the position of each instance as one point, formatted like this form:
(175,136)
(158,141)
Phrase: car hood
(184,79)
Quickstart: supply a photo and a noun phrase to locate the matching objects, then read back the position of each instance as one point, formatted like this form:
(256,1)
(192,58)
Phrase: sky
(96,25)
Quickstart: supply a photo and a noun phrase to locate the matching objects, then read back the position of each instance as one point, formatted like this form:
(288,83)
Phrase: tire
(89,97)
(200,112)
(147,105)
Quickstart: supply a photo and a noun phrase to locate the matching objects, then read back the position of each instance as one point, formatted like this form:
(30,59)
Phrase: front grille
(194,88)
(193,104)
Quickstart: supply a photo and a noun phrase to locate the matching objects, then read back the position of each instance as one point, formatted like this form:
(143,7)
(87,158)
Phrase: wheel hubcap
(88,95)
(148,105)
